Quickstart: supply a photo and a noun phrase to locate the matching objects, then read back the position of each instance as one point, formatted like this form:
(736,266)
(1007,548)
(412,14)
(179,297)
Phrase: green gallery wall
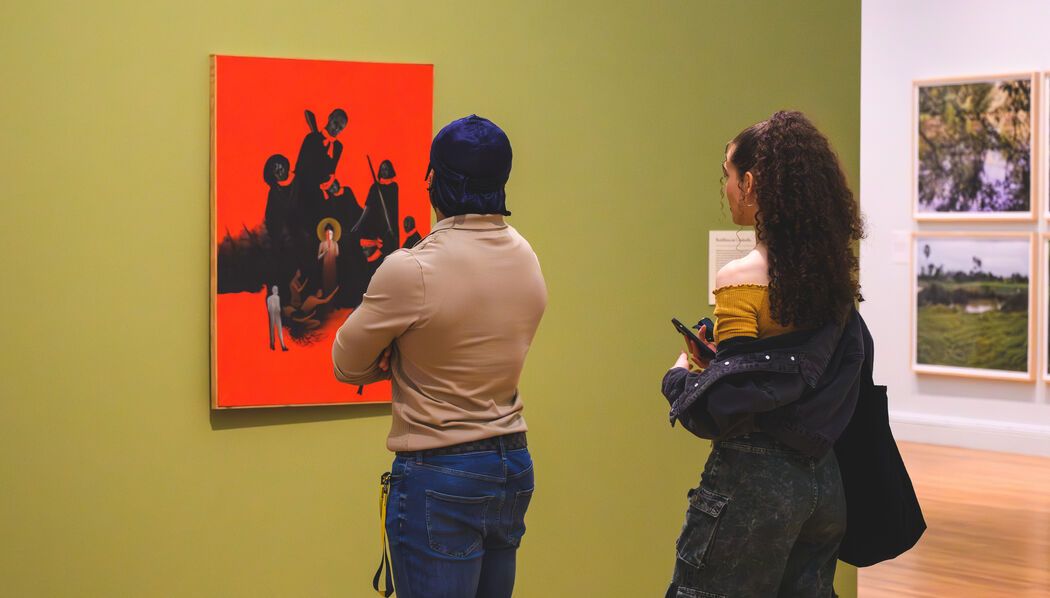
(115,477)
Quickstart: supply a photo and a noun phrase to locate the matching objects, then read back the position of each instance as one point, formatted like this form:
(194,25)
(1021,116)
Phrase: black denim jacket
(812,390)
(801,387)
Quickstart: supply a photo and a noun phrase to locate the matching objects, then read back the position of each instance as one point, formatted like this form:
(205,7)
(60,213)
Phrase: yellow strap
(384,493)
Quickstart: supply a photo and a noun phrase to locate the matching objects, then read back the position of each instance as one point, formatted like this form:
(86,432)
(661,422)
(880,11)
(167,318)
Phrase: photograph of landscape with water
(973,304)
(974,149)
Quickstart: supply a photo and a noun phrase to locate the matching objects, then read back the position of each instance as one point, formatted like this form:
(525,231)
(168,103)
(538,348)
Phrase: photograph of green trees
(974,149)
(973,304)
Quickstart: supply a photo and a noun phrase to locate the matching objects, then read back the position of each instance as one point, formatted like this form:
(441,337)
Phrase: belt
(760,442)
(507,442)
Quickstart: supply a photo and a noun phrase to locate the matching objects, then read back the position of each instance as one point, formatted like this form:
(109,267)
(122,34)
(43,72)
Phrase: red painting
(317,176)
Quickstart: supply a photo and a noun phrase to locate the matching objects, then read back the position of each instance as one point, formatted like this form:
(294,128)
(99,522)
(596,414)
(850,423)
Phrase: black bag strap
(883,516)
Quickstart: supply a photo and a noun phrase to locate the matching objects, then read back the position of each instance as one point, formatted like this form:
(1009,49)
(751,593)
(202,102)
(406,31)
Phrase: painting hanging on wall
(972,311)
(317,171)
(973,148)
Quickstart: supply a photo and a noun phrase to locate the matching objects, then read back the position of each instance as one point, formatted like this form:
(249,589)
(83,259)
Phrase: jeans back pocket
(701,522)
(456,524)
(517,516)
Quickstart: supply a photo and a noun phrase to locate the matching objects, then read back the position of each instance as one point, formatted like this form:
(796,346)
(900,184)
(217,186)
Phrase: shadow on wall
(229,419)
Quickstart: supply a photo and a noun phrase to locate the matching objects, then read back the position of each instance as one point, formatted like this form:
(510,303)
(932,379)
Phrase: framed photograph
(974,145)
(972,304)
(1043,178)
(317,174)
(1044,305)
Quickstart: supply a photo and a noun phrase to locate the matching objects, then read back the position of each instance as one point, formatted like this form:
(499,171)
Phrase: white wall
(904,40)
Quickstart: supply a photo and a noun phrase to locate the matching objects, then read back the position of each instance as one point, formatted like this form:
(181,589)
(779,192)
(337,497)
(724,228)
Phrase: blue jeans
(454,522)
(765,521)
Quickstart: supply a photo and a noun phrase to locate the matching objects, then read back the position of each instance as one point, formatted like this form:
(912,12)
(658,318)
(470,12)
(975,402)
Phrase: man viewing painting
(449,322)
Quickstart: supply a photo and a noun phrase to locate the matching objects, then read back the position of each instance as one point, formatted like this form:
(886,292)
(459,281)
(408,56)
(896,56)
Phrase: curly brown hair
(807,218)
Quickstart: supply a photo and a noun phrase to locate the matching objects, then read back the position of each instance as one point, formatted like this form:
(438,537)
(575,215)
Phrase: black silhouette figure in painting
(318,157)
(378,224)
(341,204)
(412,235)
(278,200)
(352,269)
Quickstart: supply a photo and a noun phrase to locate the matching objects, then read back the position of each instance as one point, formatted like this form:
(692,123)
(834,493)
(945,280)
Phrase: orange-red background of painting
(258,111)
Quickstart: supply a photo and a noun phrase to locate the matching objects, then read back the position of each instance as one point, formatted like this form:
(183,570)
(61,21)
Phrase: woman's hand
(691,356)
(694,350)
(682,362)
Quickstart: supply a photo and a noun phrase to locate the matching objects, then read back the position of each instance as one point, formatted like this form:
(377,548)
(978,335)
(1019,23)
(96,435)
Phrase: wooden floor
(988,528)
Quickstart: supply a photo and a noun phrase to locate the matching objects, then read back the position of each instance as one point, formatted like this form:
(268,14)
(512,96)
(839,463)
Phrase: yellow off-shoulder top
(743,310)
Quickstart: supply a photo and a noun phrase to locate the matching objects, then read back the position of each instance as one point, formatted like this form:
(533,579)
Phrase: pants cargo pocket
(701,522)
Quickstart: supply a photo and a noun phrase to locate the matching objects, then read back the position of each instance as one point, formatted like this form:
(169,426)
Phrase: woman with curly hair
(770,512)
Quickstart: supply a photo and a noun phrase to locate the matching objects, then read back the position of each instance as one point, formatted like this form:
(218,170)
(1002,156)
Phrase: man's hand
(384,360)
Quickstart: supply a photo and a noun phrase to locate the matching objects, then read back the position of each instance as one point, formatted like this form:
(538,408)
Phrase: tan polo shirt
(460,310)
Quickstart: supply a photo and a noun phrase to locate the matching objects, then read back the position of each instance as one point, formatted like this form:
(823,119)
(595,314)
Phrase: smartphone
(705,351)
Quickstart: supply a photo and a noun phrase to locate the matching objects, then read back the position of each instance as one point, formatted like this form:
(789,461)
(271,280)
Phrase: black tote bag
(883,516)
